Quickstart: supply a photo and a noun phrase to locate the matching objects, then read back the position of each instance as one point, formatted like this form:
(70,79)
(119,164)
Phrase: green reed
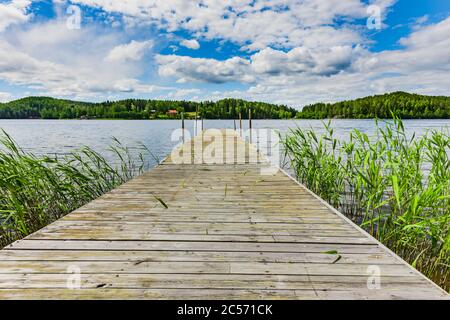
(36,190)
(397,188)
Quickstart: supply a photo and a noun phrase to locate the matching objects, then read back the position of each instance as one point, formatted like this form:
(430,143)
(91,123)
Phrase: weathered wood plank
(188,255)
(200,218)
(216,294)
(248,228)
(203,281)
(99,234)
(181,267)
(223,226)
(191,245)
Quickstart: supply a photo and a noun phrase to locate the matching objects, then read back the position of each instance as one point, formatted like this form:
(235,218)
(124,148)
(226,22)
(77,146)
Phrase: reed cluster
(36,190)
(394,186)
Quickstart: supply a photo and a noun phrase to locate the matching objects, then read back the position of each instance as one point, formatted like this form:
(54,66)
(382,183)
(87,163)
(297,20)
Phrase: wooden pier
(207,231)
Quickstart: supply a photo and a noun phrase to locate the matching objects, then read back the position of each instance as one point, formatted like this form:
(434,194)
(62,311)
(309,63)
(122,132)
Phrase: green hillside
(50,108)
(404,105)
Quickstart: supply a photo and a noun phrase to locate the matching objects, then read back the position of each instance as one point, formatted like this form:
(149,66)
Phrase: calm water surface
(59,137)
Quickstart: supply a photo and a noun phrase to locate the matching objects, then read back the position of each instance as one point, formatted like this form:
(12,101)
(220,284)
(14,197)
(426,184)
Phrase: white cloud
(429,36)
(255,24)
(425,50)
(134,85)
(265,63)
(191,44)
(186,69)
(13,12)
(47,58)
(5,97)
(134,51)
(302,60)
(182,93)
(420,21)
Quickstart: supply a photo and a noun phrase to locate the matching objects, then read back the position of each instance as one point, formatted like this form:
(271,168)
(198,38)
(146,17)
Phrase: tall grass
(36,190)
(395,187)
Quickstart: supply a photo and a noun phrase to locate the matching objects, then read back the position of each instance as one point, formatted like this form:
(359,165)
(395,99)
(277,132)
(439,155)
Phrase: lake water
(59,137)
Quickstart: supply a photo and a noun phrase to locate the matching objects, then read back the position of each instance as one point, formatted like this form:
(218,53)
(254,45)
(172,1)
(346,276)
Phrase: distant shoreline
(401,105)
(246,120)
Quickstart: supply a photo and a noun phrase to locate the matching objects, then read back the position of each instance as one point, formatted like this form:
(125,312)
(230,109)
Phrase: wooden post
(195,123)
(240,124)
(250,122)
(201,121)
(234,124)
(182,124)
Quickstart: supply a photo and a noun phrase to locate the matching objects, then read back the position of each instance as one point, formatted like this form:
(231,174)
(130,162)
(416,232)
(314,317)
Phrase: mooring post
(250,122)
(182,125)
(195,123)
(240,124)
(201,120)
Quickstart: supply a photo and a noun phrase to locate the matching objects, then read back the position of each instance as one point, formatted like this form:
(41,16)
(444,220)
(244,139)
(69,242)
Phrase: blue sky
(292,52)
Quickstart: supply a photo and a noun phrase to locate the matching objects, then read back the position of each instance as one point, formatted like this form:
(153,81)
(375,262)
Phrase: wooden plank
(244,228)
(101,234)
(202,267)
(188,255)
(149,294)
(215,294)
(223,226)
(190,245)
(199,218)
(203,281)
(158,210)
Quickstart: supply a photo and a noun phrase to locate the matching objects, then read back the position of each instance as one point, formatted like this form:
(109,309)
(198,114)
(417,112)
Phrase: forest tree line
(50,108)
(402,104)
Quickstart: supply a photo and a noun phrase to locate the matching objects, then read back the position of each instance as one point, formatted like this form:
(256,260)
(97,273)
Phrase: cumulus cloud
(186,69)
(134,51)
(13,12)
(191,44)
(182,93)
(60,68)
(5,96)
(424,50)
(256,24)
(265,63)
(302,60)
(429,36)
